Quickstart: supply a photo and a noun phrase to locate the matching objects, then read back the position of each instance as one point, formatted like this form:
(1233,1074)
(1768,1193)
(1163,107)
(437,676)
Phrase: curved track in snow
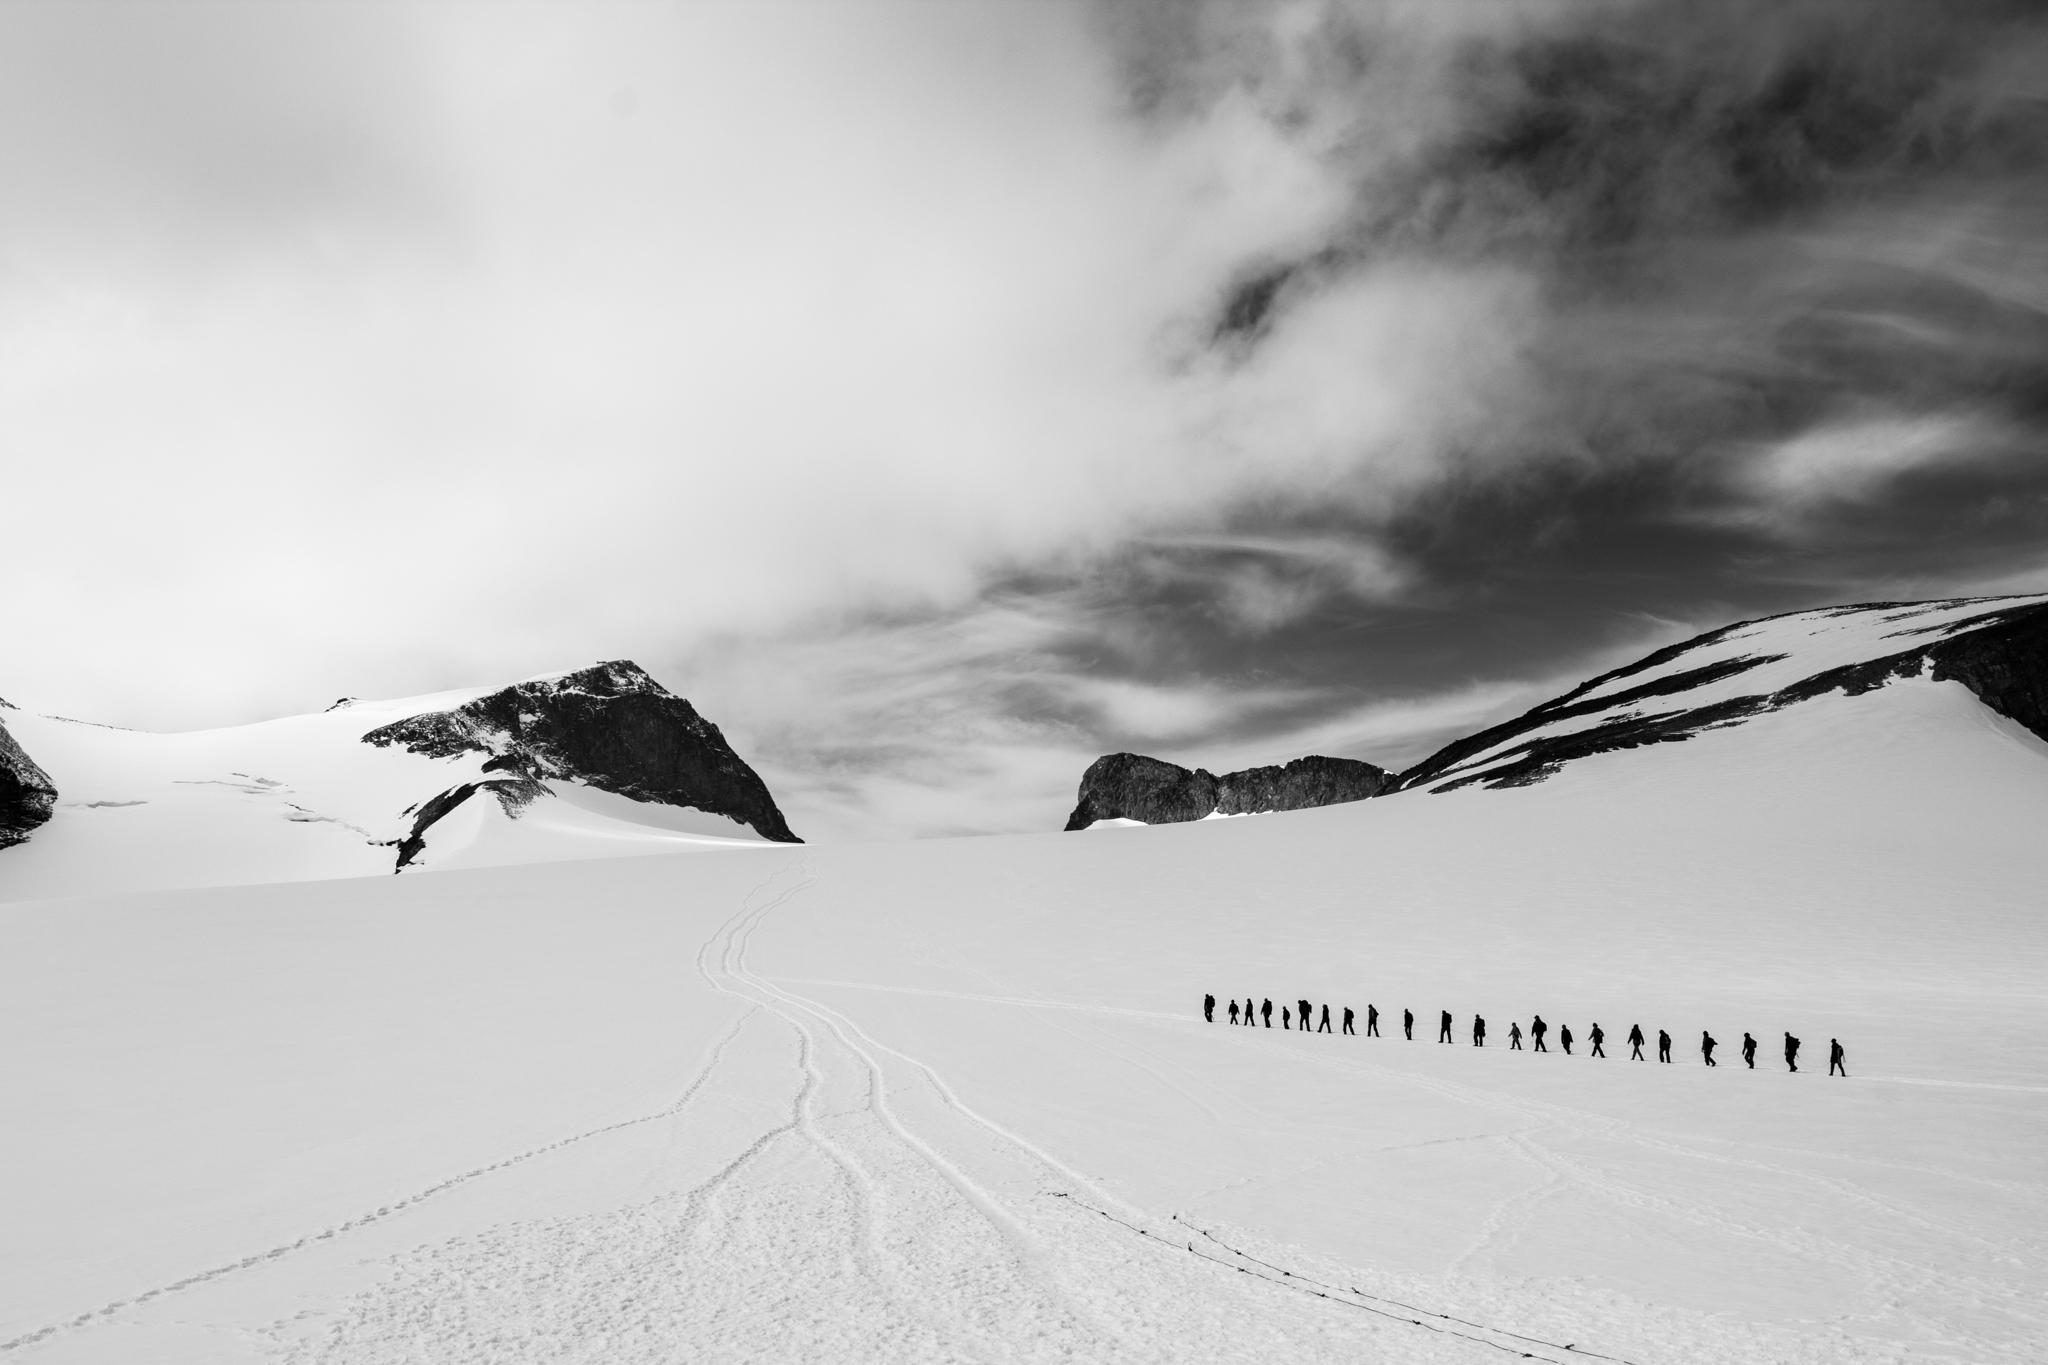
(873,1215)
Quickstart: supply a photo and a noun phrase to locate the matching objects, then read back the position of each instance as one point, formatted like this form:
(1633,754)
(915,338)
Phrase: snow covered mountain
(590,763)
(1996,647)
(954,1099)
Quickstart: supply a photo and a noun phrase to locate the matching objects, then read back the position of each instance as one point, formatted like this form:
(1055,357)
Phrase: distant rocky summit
(1154,792)
(609,725)
(26,792)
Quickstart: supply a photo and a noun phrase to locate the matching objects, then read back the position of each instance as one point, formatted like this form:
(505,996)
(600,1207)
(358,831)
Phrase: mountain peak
(610,726)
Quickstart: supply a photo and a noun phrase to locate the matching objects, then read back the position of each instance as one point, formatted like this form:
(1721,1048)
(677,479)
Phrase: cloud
(420,349)
(991,709)
(942,395)
(387,334)
(1854,461)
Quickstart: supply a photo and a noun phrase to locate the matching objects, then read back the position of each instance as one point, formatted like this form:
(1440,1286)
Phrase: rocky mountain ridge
(27,795)
(1155,792)
(1730,675)
(1995,647)
(610,726)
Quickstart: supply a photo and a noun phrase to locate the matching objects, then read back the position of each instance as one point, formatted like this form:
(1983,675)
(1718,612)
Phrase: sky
(941,395)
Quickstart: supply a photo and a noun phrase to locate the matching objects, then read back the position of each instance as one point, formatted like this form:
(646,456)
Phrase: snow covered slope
(1995,646)
(462,778)
(954,1100)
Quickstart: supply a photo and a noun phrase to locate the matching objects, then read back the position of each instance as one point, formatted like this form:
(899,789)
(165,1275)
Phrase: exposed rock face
(609,725)
(514,795)
(2001,655)
(1134,787)
(1543,757)
(27,794)
(1311,781)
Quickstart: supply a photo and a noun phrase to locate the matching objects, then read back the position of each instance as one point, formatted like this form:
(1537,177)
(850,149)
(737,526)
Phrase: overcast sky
(942,394)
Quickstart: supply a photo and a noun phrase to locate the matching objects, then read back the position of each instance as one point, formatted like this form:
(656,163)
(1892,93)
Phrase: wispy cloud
(1853,461)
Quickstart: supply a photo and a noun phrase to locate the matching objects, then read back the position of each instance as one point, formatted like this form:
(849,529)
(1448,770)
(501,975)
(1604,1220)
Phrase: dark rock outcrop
(2000,655)
(27,795)
(609,725)
(1134,787)
(514,795)
(1306,782)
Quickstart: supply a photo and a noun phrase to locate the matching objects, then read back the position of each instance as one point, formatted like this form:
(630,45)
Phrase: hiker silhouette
(1635,1042)
(1514,1037)
(1564,1038)
(1791,1052)
(1707,1046)
(1209,1008)
(1372,1021)
(1301,1016)
(1663,1046)
(1537,1028)
(1835,1059)
(1408,1025)
(1748,1051)
(1478,1031)
(1233,1011)
(1347,1021)
(1598,1037)
(1266,1012)
(1324,1026)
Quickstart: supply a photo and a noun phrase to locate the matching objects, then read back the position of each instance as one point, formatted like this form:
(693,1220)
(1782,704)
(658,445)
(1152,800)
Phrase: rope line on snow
(1325,1290)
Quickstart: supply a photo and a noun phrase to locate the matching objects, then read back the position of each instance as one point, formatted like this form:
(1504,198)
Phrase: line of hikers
(1300,1015)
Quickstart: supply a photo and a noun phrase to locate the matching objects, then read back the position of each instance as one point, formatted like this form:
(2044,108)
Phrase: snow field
(864,1102)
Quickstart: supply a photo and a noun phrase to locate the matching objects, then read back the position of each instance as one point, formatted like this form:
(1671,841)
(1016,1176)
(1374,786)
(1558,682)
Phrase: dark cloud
(1790,346)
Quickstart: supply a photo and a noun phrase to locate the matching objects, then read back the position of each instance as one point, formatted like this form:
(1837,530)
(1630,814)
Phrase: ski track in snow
(1563,1173)
(843,1230)
(380,1213)
(858,1240)
(1888,1277)
(875,1216)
